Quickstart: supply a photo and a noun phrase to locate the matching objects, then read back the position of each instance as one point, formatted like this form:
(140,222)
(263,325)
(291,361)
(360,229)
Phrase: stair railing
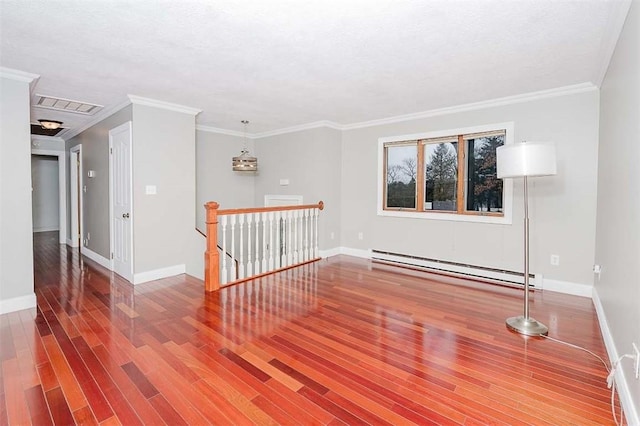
(261,241)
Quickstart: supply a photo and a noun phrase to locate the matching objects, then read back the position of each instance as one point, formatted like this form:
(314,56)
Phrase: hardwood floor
(342,341)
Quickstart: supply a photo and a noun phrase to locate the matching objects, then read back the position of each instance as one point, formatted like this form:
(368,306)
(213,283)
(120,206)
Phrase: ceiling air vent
(66,105)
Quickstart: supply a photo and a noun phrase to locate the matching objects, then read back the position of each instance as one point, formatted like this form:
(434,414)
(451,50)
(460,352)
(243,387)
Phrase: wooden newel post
(211,256)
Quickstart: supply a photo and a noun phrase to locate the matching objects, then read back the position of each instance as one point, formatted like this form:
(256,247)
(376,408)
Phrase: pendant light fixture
(245,162)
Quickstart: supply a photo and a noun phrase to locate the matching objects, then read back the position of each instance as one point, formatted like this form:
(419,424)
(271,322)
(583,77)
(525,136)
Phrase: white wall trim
(508,100)
(100,260)
(624,390)
(18,303)
(301,127)
(70,243)
(103,114)
(75,196)
(62,191)
(157,274)
(211,129)
(329,252)
(614,26)
(17,75)
(139,100)
(49,229)
(566,287)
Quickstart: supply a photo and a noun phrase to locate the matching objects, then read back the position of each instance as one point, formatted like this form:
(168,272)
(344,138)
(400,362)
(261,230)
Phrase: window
(452,175)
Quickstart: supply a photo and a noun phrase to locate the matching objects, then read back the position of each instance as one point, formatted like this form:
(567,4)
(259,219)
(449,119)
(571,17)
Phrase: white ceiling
(282,63)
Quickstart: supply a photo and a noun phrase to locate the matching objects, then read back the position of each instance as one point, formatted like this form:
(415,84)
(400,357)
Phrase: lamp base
(527,326)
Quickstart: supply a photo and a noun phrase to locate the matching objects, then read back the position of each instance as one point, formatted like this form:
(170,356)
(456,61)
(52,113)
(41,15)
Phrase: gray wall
(95,156)
(216,181)
(164,144)
(562,207)
(618,228)
(44,197)
(16,243)
(310,160)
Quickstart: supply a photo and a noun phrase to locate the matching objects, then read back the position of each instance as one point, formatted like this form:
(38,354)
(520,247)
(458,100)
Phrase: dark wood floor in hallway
(341,341)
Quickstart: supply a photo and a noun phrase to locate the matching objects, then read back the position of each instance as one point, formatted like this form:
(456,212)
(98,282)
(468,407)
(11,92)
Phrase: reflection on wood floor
(334,342)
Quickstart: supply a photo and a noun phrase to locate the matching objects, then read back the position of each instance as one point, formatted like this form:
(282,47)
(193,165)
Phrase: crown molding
(292,129)
(139,100)
(17,75)
(285,130)
(211,129)
(104,113)
(22,76)
(614,26)
(508,100)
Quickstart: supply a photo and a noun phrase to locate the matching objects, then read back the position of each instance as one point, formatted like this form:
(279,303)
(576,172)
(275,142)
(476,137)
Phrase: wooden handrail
(319,206)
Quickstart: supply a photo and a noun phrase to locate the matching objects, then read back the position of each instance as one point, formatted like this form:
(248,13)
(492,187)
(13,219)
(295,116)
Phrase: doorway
(60,193)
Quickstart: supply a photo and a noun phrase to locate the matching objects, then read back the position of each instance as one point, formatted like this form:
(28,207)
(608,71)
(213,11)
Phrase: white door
(120,184)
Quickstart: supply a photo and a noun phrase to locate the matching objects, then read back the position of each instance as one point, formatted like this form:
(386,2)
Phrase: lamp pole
(525,324)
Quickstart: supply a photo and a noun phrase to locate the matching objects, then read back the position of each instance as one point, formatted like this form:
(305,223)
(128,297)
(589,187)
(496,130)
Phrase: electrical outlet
(555,260)
(360,236)
(636,360)
(332,235)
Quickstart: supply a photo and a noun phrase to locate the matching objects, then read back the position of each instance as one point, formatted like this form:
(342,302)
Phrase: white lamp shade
(526,159)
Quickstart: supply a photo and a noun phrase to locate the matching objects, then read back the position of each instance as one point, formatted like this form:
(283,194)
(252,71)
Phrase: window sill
(473,218)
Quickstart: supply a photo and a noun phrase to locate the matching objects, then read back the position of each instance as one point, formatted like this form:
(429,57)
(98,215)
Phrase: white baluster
(296,241)
(249,263)
(264,241)
(256,267)
(232,221)
(306,235)
(315,237)
(289,253)
(223,223)
(241,265)
(271,248)
(276,240)
(283,239)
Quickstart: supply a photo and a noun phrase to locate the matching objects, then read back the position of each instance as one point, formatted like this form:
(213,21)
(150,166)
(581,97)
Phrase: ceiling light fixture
(50,124)
(245,162)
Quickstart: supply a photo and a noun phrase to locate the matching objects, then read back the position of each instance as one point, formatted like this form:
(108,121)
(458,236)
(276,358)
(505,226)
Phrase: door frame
(76,184)
(120,128)
(62,189)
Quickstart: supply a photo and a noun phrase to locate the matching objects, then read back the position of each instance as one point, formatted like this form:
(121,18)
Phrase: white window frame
(507,188)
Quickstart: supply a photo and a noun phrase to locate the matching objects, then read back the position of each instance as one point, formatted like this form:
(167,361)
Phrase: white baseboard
(156,274)
(100,260)
(624,391)
(566,287)
(18,303)
(365,254)
(329,252)
(71,243)
(46,229)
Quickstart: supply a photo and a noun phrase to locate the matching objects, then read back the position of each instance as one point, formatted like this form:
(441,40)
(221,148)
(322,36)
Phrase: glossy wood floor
(342,341)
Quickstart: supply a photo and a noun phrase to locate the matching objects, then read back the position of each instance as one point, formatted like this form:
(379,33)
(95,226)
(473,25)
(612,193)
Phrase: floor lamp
(525,160)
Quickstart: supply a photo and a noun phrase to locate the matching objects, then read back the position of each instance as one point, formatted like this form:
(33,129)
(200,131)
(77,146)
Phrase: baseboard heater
(464,270)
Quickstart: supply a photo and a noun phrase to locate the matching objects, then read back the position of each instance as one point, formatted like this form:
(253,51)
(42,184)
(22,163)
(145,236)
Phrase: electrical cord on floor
(610,378)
